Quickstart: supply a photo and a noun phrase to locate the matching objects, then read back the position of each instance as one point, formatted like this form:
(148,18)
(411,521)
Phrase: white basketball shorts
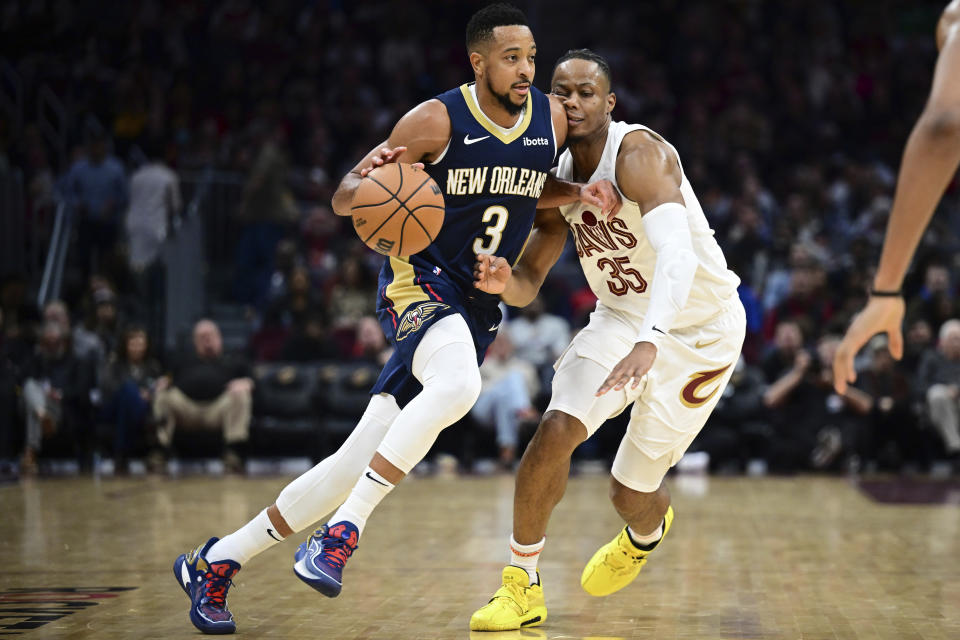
(672,402)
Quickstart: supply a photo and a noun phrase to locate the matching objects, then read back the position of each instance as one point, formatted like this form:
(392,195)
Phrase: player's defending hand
(603,195)
(386,156)
(635,366)
(881,315)
(490,274)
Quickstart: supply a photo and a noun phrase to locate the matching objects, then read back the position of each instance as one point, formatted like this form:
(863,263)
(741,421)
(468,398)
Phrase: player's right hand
(386,156)
(881,315)
(491,273)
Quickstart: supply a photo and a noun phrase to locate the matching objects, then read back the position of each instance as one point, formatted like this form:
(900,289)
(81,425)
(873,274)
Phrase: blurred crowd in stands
(789,118)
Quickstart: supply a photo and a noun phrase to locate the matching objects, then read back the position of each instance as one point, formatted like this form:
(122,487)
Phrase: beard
(505,101)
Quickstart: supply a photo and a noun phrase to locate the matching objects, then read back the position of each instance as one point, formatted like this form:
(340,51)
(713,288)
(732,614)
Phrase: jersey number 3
(497,217)
(623,278)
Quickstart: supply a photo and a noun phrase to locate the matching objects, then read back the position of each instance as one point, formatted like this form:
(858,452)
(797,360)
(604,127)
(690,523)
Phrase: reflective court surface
(803,557)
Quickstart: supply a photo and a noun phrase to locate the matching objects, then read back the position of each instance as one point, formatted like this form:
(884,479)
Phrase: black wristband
(876,293)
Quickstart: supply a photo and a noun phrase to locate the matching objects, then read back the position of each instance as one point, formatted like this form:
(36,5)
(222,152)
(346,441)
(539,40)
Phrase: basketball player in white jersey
(930,160)
(665,335)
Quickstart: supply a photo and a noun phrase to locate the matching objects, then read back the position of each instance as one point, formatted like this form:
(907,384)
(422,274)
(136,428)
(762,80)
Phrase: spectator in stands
(127,382)
(300,300)
(808,304)
(96,186)
(788,401)
(888,436)
(99,331)
(310,341)
(509,384)
(205,390)
(86,345)
(811,424)
(842,414)
(939,380)
(155,201)
(371,345)
(539,337)
(918,339)
(784,352)
(352,294)
(935,303)
(266,210)
(284,263)
(54,386)
(747,239)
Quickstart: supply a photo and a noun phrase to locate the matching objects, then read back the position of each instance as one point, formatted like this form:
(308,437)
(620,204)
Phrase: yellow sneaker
(618,562)
(515,604)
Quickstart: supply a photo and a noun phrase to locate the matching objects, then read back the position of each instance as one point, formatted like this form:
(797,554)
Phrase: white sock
(526,556)
(255,537)
(648,539)
(370,489)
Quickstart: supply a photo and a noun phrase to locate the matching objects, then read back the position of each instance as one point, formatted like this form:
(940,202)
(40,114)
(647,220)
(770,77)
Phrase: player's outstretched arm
(930,160)
(649,174)
(520,285)
(419,136)
(600,194)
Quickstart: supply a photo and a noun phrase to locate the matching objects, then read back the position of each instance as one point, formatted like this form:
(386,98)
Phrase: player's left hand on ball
(386,156)
(490,273)
(635,366)
(604,195)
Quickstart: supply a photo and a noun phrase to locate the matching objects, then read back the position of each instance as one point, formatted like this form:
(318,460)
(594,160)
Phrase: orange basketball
(397,210)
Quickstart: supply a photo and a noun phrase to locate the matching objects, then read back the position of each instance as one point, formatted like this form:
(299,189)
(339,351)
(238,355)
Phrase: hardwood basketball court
(805,557)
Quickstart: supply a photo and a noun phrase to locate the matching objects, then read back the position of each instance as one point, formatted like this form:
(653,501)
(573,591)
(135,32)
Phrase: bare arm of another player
(930,160)
(419,136)
(556,192)
(649,173)
(519,286)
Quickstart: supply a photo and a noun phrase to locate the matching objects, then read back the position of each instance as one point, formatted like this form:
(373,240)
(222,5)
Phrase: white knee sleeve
(446,365)
(323,488)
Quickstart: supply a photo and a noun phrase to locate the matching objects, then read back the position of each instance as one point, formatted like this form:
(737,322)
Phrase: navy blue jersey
(491,179)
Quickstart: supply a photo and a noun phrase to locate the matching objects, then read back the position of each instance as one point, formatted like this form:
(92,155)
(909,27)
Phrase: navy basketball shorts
(409,302)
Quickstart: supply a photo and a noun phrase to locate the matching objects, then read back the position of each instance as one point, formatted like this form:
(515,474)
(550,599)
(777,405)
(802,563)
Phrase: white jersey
(616,257)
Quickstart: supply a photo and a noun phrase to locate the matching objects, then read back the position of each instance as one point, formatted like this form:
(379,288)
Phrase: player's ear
(478,62)
(611,102)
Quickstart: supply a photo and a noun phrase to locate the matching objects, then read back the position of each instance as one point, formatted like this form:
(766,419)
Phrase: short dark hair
(483,22)
(592,56)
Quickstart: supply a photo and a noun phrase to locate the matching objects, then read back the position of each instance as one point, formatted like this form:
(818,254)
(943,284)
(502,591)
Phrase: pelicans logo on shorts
(689,396)
(416,316)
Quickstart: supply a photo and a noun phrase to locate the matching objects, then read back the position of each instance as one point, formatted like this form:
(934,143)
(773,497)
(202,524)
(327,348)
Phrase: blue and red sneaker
(319,561)
(206,584)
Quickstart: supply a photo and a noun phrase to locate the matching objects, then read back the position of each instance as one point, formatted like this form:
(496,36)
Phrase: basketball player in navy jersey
(489,146)
(930,160)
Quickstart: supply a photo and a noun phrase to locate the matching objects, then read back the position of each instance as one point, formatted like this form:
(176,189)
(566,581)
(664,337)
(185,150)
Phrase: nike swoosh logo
(375,480)
(494,327)
(657,329)
(468,140)
(270,533)
(701,345)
